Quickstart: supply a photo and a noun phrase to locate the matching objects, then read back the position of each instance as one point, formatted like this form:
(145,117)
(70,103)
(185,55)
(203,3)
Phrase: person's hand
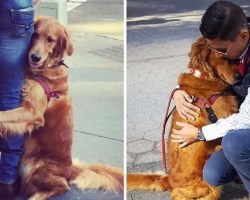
(184,105)
(185,136)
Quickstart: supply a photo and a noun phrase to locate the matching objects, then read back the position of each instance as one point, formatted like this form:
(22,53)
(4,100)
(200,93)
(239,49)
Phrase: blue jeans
(15,35)
(223,166)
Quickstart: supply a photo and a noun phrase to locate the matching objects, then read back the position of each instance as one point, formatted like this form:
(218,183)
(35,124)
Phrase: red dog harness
(48,92)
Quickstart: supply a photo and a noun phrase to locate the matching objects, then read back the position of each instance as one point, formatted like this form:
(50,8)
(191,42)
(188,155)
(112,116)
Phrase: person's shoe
(8,191)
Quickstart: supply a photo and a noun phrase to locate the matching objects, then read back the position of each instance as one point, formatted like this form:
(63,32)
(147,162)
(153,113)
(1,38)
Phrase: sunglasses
(222,51)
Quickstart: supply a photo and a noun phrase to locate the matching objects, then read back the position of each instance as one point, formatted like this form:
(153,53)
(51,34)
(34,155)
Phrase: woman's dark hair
(223,20)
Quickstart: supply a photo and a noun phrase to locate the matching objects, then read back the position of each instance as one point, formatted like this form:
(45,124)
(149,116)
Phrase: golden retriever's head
(50,42)
(203,59)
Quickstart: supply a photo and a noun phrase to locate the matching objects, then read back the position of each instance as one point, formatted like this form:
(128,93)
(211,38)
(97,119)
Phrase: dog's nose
(35,57)
(237,76)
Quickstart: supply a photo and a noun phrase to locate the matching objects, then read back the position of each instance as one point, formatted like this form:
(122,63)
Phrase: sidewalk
(96,86)
(96,81)
(159,38)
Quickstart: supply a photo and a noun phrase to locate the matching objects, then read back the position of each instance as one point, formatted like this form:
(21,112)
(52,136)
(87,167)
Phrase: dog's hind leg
(196,191)
(58,185)
(144,181)
(43,184)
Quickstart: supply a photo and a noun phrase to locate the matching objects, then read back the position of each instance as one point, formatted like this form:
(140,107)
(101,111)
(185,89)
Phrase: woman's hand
(184,105)
(185,136)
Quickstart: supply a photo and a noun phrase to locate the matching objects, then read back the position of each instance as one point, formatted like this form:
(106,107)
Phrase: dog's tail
(144,181)
(97,176)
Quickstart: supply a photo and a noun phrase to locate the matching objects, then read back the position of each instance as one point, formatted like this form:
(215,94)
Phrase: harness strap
(48,92)
(211,115)
(213,98)
(206,104)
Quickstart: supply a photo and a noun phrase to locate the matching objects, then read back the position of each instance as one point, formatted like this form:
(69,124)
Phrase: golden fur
(46,167)
(184,179)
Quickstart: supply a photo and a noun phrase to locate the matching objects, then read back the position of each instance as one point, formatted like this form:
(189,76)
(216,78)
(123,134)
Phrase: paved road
(159,37)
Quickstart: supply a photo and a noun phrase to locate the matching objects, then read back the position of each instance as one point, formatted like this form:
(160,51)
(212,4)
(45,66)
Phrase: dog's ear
(37,21)
(199,53)
(67,42)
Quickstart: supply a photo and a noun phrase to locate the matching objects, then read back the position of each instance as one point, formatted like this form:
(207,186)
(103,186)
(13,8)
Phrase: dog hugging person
(16,28)
(225,27)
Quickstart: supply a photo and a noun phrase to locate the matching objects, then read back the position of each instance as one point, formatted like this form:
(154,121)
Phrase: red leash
(164,127)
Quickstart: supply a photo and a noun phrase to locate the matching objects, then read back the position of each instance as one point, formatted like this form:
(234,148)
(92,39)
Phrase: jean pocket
(22,22)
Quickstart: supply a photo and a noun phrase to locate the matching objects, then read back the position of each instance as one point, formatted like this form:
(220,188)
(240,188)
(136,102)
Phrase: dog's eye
(50,39)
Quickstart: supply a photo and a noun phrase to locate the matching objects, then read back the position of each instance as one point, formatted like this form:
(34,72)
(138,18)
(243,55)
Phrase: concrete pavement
(96,86)
(96,81)
(159,36)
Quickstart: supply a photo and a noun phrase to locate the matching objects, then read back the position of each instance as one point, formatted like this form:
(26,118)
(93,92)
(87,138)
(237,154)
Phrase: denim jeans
(223,166)
(16,28)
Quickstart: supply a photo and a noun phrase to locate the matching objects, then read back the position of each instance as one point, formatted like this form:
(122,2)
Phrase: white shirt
(240,120)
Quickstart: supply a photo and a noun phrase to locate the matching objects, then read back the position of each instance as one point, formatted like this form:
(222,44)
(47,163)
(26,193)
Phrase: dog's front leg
(23,119)
(12,129)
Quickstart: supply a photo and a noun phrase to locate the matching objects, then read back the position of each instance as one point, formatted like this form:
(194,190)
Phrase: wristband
(200,136)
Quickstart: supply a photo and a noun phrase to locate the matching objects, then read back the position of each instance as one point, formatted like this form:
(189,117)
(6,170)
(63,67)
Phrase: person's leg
(15,36)
(236,146)
(218,170)
(11,147)
(11,151)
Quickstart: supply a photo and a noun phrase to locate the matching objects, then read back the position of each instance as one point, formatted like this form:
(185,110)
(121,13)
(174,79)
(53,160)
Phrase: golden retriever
(46,168)
(184,178)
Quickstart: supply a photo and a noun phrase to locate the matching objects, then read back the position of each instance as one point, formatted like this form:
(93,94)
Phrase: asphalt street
(159,36)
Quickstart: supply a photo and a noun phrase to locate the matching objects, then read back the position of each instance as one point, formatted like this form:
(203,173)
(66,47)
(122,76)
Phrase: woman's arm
(241,120)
